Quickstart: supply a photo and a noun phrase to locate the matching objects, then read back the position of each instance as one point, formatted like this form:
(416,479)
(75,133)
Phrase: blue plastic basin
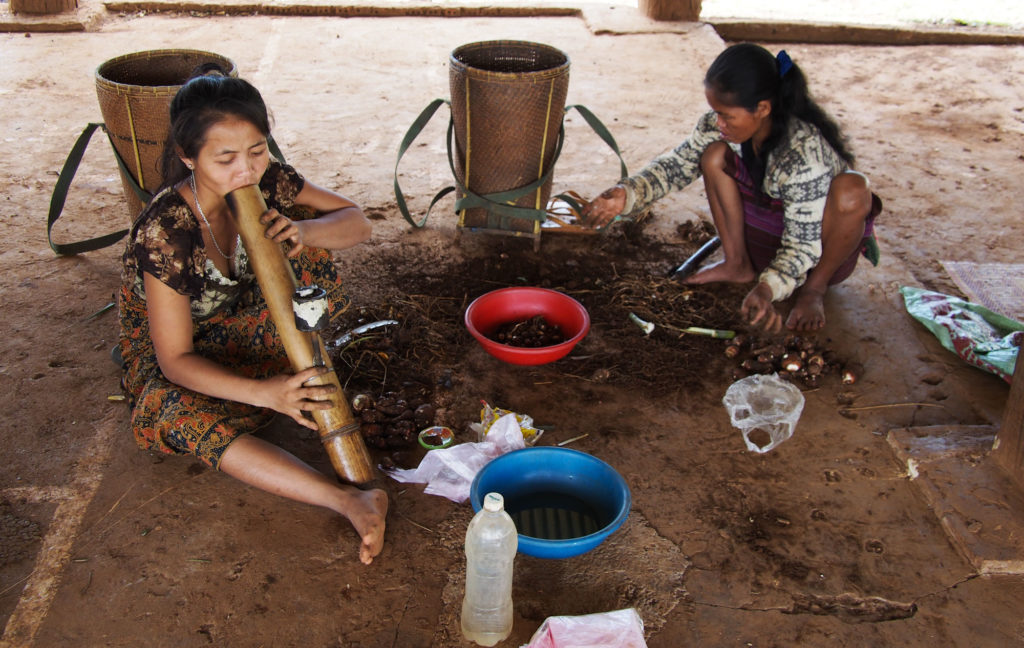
(564,502)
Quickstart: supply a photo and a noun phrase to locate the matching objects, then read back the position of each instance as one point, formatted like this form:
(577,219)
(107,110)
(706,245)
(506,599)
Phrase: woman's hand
(757,309)
(288,394)
(605,207)
(281,229)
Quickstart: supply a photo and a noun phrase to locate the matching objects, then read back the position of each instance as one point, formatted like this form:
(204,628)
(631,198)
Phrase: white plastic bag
(618,629)
(764,403)
(449,472)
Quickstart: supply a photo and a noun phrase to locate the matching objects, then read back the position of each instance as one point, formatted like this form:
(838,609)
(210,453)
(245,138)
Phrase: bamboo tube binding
(338,427)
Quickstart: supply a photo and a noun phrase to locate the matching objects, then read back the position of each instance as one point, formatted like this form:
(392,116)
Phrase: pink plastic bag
(618,629)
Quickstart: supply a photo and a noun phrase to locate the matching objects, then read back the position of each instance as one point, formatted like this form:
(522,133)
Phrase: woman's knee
(715,157)
(850,195)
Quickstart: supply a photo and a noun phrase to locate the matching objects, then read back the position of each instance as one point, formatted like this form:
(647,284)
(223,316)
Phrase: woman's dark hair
(208,97)
(745,74)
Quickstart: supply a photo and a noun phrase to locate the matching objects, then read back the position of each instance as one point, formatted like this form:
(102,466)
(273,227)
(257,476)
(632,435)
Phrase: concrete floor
(330,80)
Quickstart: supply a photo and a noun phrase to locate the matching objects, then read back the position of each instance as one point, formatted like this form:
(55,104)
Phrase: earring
(189,166)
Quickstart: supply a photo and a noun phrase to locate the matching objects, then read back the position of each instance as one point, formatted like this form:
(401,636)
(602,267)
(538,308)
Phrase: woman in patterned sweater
(203,364)
(790,210)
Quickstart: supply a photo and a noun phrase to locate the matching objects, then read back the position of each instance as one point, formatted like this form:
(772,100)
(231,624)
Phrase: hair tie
(785,63)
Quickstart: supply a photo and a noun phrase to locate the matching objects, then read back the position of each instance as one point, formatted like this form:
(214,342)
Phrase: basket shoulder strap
(275,150)
(602,131)
(414,130)
(500,203)
(60,194)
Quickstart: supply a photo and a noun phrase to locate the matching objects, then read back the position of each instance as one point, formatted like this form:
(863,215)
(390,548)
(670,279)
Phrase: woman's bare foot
(808,312)
(367,512)
(723,271)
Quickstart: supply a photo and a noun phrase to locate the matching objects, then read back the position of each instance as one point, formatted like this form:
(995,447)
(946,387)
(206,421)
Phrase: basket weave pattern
(135,92)
(508,99)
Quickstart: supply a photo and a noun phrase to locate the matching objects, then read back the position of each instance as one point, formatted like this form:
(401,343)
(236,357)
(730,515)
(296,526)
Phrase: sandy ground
(825,540)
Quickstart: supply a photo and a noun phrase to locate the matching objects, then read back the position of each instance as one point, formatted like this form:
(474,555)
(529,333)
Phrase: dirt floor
(823,541)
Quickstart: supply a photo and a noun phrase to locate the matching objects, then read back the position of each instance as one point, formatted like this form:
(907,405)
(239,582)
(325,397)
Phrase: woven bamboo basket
(507,100)
(135,92)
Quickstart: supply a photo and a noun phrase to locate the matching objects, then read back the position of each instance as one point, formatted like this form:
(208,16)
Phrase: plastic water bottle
(491,544)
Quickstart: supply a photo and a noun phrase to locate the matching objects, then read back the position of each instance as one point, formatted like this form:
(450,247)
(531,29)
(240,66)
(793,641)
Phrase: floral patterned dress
(231,324)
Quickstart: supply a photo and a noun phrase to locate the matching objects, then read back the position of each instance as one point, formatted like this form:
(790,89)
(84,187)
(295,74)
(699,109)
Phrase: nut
(852,373)
(792,362)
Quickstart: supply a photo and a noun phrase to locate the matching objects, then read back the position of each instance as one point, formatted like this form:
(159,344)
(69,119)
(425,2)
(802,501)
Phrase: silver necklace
(199,208)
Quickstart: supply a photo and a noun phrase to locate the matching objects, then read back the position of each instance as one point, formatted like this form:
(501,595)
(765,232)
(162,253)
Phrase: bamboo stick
(339,429)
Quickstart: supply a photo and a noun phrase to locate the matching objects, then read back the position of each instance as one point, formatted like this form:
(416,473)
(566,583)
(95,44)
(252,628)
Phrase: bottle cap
(494,502)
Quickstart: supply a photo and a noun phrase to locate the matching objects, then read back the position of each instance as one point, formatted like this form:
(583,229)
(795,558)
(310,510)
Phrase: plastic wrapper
(765,408)
(449,472)
(488,415)
(618,629)
(980,337)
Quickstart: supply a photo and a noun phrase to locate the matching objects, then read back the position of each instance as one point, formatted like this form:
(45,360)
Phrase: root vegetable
(754,366)
(852,373)
(792,362)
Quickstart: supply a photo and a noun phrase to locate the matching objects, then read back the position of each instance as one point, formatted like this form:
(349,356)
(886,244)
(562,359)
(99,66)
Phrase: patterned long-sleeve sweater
(798,171)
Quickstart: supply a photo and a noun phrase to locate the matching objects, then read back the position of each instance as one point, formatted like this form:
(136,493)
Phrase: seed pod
(362,402)
(754,366)
(371,429)
(852,373)
(816,364)
(792,363)
(732,350)
(424,415)
(739,340)
(770,351)
(370,416)
(845,398)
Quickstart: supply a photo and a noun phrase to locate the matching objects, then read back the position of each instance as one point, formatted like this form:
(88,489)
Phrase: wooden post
(684,10)
(1009,452)
(43,6)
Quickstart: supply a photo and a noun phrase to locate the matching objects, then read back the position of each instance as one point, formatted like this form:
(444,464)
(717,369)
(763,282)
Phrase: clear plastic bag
(618,629)
(765,408)
(449,472)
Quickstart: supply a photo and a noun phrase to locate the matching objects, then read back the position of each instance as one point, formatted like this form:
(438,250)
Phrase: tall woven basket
(507,102)
(135,92)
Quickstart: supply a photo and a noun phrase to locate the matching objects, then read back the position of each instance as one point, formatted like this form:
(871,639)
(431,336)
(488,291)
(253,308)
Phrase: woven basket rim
(156,90)
(480,45)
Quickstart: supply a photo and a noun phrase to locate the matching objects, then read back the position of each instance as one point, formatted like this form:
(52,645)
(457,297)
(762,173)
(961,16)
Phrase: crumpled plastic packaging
(980,337)
(767,403)
(618,629)
(488,415)
(449,472)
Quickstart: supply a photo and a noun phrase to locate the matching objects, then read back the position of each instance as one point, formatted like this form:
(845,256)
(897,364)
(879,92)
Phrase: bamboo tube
(339,429)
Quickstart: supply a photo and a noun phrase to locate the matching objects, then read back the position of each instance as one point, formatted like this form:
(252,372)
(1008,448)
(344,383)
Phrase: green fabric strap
(67,174)
(602,132)
(60,194)
(499,204)
(410,136)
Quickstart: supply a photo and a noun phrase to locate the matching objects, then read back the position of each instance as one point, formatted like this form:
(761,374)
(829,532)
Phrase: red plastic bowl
(491,310)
